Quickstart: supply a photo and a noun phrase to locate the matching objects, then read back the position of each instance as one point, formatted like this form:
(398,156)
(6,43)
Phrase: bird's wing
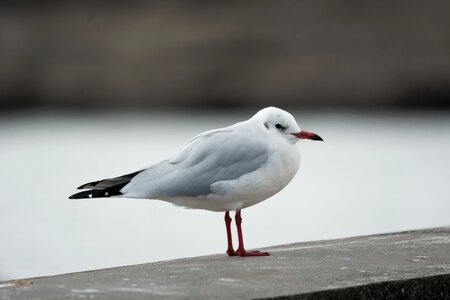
(214,156)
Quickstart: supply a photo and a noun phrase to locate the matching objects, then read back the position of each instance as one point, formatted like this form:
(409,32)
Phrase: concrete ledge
(412,264)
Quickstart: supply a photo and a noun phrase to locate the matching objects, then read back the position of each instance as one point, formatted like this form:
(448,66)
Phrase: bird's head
(282,123)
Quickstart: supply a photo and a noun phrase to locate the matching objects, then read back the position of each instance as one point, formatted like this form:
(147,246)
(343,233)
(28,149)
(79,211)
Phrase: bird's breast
(263,183)
(284,167)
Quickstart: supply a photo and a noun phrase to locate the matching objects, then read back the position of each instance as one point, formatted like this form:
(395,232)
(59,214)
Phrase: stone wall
(407,265)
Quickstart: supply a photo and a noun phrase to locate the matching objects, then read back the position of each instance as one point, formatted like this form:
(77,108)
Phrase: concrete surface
(409,264)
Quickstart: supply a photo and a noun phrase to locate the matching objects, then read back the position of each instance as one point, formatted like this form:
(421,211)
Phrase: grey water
(376,172)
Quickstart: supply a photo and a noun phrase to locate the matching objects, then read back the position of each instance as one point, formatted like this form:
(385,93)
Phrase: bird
(221,170)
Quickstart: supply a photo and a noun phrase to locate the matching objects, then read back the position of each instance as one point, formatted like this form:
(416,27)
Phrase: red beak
(307,135)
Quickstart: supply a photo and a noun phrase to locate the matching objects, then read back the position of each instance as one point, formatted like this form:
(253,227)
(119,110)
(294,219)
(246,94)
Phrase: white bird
(222,170)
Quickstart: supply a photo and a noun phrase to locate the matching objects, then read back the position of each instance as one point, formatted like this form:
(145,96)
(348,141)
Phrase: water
(376,172)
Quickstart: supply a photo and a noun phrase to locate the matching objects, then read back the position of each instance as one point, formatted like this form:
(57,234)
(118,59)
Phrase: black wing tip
(92,185)
(100,193)
(81,195)
(87,185)
(87,194)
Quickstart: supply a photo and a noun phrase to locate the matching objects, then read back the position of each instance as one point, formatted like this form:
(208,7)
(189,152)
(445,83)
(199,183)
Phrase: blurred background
(96,89)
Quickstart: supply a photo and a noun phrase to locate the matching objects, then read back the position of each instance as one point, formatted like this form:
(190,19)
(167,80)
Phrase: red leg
(241,250)
(230,250)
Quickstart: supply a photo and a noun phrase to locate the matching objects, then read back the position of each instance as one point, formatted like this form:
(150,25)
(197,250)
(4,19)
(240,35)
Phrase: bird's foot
(243,252)
(231,252)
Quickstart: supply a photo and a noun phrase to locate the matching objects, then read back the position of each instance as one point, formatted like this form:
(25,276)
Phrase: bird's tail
(104,188)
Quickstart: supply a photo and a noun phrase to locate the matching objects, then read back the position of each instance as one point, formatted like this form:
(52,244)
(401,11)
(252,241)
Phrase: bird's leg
(241,250)
(230,250)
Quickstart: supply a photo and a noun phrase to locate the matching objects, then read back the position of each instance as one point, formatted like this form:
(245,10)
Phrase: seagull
(221,170)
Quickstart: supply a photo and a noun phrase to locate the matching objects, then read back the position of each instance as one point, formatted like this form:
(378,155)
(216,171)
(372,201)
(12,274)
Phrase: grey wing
(217,156)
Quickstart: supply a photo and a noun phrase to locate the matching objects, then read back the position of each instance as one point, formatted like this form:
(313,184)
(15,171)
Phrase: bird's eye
(279,126)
